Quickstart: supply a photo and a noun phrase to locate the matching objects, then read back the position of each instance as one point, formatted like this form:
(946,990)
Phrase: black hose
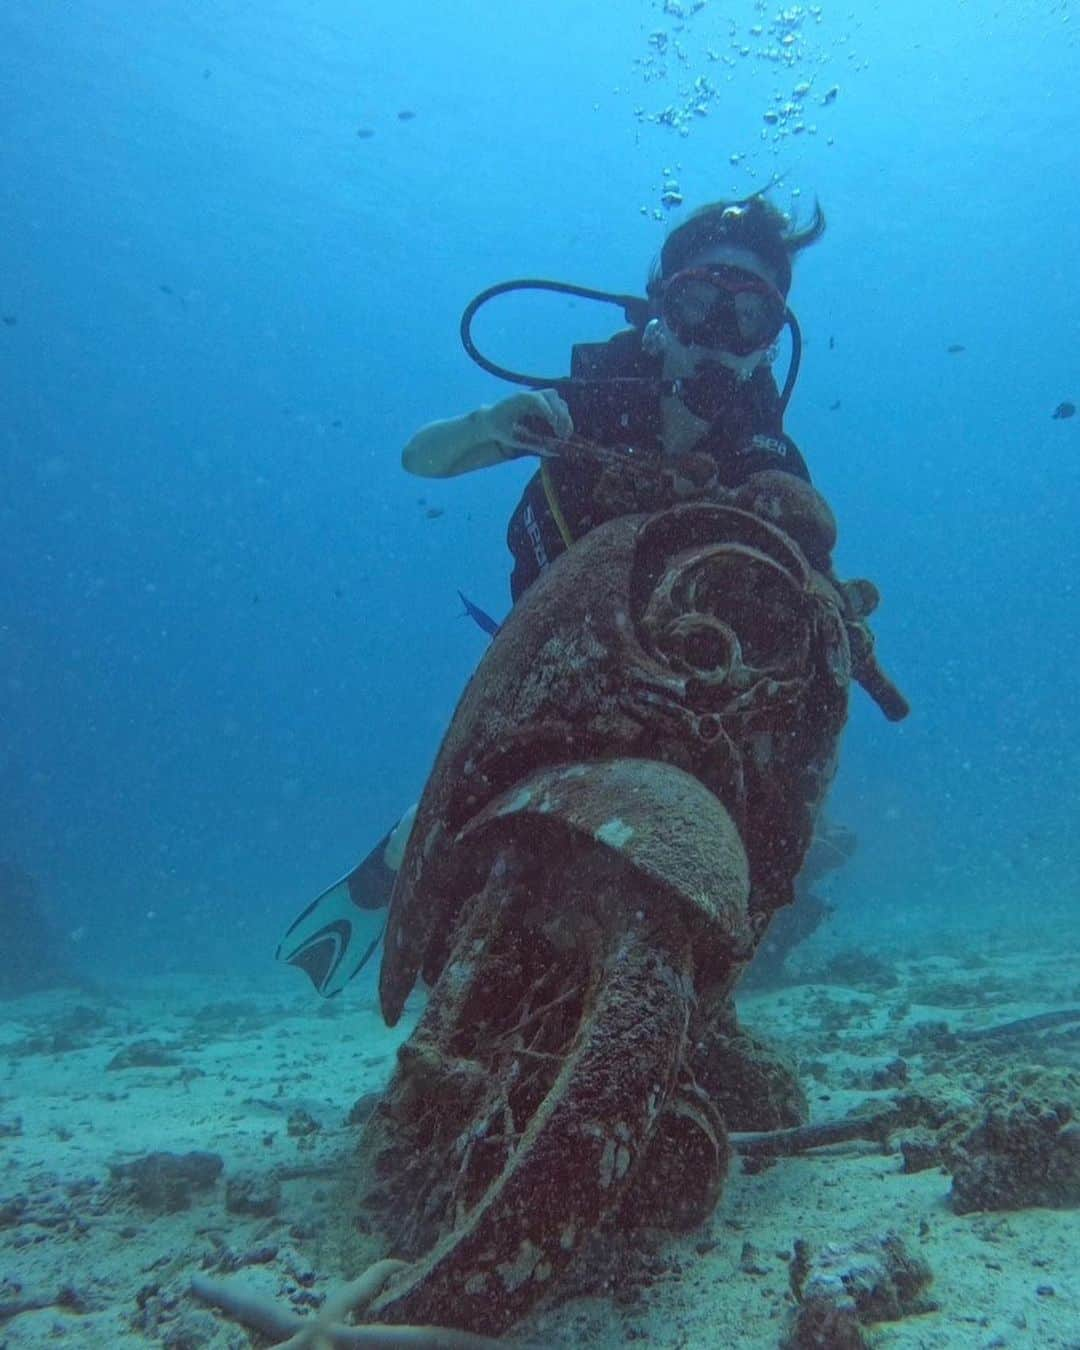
(635,309)
(796,358)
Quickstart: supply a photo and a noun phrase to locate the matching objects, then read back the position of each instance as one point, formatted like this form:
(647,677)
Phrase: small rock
(165,1182)
(1020,1154)
(823,1322)
(192,1330)
(252,1193)
(920,1149)
(301,1124)
(893,1074)
(924,1037)
(12,1211)
(750,1261)
(147,1054)
(873,1279)
(74,1300)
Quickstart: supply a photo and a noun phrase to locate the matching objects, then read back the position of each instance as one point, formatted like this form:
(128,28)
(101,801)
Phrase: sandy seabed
(265,1075)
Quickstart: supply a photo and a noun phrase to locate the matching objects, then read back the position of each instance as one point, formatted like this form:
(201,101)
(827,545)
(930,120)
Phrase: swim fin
(331,941)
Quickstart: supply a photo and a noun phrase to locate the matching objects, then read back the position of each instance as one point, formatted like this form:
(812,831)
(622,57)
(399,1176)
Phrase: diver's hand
(519,425)
(521,422)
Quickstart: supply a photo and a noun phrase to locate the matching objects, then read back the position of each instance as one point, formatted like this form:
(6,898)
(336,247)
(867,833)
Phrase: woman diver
(688,387)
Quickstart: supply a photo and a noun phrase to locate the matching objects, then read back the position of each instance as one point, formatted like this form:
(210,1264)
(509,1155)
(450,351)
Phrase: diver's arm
(487,436)
(456,445)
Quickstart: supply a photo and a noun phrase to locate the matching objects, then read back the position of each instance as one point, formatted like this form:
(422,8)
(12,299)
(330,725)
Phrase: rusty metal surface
(625,794)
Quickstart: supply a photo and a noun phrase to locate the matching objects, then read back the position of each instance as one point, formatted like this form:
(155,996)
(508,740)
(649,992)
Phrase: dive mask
(699,305)
(723,307)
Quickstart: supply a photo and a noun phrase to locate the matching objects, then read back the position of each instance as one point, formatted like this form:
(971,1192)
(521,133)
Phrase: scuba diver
(689,387)
(681,405)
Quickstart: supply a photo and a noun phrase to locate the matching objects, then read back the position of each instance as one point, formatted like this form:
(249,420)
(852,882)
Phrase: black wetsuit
(745,439)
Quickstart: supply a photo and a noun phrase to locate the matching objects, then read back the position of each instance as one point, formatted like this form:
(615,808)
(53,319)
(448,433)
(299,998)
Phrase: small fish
(833,406)
(474,612)
(1063,411)
(11,320)
(406,115)
(955,347)
(365,133)
(832,342)
(434,512)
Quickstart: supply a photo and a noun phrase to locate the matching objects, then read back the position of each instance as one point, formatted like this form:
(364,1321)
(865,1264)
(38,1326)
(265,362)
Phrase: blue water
(230,638)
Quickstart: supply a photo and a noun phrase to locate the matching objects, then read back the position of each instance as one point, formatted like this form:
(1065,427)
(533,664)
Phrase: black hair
(752,223)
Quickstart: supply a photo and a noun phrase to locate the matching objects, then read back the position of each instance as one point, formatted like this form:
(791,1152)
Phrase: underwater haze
(237,242)
(230,631)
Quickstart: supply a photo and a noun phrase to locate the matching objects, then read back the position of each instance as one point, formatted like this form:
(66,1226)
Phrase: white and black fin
(339,932)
